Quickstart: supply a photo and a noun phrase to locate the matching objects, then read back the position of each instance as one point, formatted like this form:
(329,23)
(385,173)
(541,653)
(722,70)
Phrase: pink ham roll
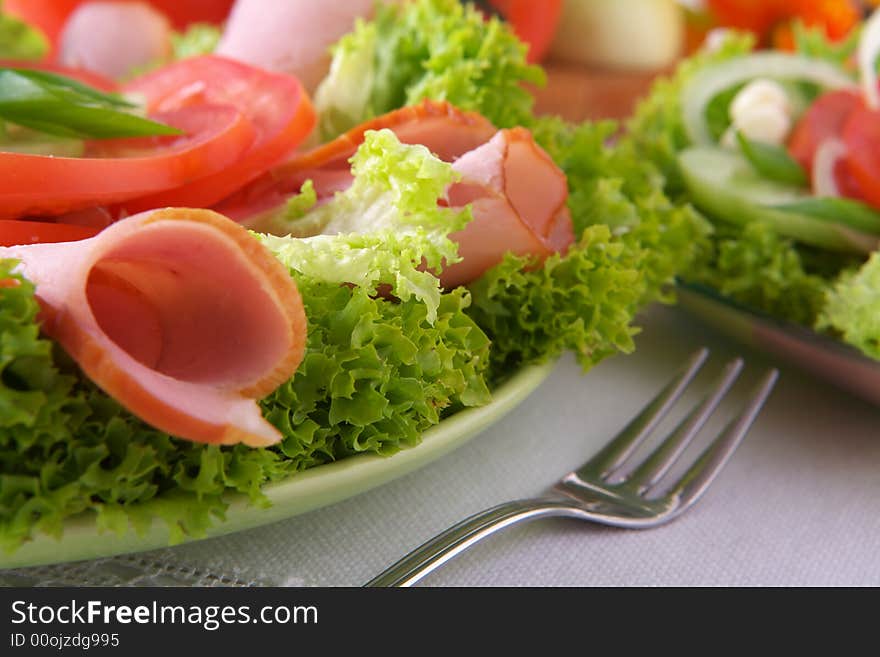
(181,315)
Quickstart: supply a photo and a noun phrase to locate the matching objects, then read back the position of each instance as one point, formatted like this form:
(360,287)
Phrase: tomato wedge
(183,12)
(826,119)
(533,22)
(275,104)
(13,232)
(39,185)
(861,134)
(823,120)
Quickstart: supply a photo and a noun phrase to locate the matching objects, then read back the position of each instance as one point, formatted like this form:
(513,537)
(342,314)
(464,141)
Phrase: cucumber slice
(724,186)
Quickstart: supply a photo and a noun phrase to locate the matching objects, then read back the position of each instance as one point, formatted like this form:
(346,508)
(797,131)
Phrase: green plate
(819,355)
(306,491)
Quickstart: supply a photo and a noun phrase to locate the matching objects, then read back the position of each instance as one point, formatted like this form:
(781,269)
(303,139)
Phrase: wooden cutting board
(578,94)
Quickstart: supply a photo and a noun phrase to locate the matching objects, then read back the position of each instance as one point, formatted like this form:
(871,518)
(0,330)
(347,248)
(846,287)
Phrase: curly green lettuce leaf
(582,301)
(611,184)
(382,228)
(852,310)
(395,187)
(437,49)
(759,269)
(632,242)
(376,374)
(18,40)
(197,39)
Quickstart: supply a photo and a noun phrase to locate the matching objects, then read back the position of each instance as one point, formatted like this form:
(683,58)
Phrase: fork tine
(661,459)
(699,476)
(630,437)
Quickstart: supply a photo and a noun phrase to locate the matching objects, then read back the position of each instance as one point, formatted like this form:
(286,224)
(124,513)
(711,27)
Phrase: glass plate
(303,492)
(822,356)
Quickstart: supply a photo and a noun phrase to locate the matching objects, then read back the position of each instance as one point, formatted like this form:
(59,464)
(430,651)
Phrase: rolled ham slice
(445,130)
(518,194)
(442,128)
(180,315)
(518,198)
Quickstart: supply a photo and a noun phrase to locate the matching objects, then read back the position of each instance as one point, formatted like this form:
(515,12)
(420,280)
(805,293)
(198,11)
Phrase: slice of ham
(518,198)
(180,315)
(290,36)
(445,130)
(439,126)
(518,194)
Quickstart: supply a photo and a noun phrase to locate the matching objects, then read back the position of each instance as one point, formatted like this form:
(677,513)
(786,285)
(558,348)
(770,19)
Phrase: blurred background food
(629,35)
(605,54)
(600,55)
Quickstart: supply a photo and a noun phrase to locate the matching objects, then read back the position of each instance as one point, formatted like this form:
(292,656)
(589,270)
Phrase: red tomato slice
(13,233)
(96,217)
(823,120)
(183,12)
(533,22)
(847,183)
(275,104)
(216,137)
(861,134)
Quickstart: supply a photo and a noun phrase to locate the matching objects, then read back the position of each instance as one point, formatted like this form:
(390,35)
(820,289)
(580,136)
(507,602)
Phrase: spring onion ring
(710,82)
(827,156)
(869,49)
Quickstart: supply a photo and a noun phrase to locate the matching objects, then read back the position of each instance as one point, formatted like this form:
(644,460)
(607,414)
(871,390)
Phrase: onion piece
(710,82)
(869,50)
(825,161)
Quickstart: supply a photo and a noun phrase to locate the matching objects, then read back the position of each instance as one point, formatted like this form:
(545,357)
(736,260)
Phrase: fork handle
(458,538)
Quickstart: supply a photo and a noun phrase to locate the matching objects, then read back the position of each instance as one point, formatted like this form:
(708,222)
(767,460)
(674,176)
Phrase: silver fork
(608,489)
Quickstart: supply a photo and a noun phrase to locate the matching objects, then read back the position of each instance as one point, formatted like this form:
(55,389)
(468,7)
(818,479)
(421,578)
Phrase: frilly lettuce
(583,302)
(757,268)
(383,228)
(439,49)
(197,39)
(852,310)
(376,374)
(632,241)
(615,185)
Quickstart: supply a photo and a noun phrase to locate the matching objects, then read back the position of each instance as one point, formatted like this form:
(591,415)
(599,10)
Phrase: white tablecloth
(799,503)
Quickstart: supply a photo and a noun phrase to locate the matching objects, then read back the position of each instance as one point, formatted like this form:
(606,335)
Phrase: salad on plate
(241,258)
(780,150)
